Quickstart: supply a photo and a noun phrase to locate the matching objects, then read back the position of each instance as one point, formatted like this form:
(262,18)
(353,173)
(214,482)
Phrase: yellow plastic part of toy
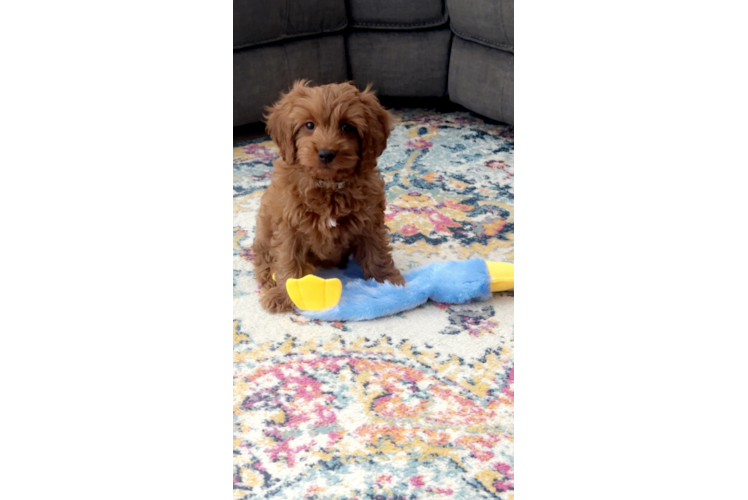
(502,275)
(313,293)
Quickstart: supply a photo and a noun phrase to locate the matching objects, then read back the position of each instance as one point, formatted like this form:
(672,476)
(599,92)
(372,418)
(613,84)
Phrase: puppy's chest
(329,226)
(329,238)
(331,222)
(330,215)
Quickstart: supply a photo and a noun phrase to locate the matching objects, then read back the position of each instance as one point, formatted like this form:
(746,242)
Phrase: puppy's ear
(279,123)
(378,125)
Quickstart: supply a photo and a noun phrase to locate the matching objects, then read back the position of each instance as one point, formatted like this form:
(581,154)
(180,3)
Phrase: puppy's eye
(309,125)
(347,128)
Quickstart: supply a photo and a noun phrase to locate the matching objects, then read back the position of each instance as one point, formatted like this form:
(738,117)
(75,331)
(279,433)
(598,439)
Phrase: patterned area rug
(411,407)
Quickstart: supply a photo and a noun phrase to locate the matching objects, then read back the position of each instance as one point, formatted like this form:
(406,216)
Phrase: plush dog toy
(339,295)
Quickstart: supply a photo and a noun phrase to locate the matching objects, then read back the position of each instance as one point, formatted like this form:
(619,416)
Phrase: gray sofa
(463,49)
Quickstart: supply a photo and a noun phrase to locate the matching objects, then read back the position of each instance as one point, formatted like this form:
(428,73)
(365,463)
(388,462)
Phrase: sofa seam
(288,12)
(503,26)
(288,67)
(487,43)
(503,91)
(254,43)
(348,71)
(428,24)
(449,62)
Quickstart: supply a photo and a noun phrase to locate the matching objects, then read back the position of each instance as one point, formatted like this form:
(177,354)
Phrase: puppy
(326,199)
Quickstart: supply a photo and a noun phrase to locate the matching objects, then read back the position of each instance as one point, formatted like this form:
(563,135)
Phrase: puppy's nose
(326,155)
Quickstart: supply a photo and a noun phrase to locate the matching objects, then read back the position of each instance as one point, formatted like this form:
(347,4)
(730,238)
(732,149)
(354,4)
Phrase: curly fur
(317,214)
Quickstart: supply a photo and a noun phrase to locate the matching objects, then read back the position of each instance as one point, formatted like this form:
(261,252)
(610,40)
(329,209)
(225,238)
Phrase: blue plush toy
(338,295)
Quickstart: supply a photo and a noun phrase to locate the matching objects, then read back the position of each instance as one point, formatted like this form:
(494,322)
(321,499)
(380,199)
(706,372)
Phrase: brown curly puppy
(326,200)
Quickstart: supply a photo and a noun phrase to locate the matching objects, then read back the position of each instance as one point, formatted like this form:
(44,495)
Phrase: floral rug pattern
(414,406)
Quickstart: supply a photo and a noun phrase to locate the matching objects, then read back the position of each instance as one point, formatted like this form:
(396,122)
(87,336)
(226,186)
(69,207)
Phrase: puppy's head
(331,131)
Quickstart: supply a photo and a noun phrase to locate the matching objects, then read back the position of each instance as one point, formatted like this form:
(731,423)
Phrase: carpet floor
(415,406)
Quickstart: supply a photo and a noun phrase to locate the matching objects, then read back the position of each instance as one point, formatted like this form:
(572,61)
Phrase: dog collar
(330,184)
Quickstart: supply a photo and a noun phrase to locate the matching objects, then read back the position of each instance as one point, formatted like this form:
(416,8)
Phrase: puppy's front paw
(276,300)
(265,278)
(393,277)
(396,278)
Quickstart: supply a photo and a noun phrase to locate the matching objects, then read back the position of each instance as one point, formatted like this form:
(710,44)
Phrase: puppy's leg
(373,253)
(288,262)
(261,249)
(343,262)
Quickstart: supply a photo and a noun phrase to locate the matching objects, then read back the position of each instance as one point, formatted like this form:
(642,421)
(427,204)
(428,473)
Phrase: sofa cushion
(264,21)
(396,14)
(482,80)
(489,22)
(400,63)
(262,73)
